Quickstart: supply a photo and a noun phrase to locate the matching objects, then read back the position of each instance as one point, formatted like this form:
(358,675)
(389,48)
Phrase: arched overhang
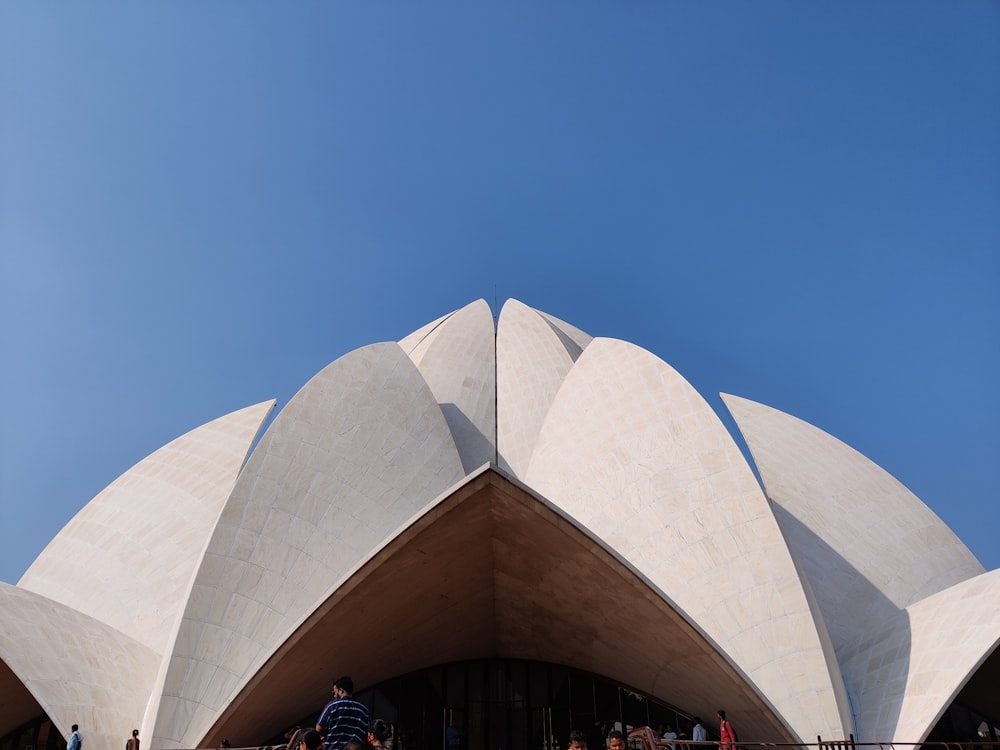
(982,692)
(17,705)
(494,571)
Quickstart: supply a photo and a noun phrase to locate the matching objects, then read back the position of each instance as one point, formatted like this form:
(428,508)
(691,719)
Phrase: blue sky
(202,204)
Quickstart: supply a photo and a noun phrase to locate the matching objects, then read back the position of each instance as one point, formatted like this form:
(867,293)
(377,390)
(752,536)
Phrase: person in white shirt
(699,733)
(670,734)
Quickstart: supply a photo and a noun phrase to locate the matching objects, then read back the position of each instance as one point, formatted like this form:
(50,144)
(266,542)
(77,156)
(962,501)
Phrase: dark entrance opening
(508,705)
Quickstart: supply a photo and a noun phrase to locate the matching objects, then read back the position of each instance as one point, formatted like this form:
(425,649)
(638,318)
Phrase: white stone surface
(532,360)
(128,557)
(80,670)
(916,664)
(424,334)
(880,595)
(572,337)
(867,545)
(632,452)
(355,453)
(457,360)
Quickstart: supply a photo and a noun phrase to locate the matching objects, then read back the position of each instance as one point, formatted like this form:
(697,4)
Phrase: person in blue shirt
(344,718)
(75,740)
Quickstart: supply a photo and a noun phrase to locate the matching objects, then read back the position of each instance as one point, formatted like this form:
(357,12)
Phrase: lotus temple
(507,526)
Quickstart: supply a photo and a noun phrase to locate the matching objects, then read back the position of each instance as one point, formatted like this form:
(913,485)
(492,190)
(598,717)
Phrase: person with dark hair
(133,742)
(343,719)
(577,740)
(379,734)
(309,740)
(616,740)
(699,733)
(668,733)
(75,739)
(727,735)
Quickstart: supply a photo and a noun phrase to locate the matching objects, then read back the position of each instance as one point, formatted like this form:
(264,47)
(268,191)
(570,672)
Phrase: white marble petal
(632,452)
(128,557)
(355,453)
(834,600)
(572,337)
(532,360)
(868,546)
(458,362)
(915,664)
(80,670)
(415,343)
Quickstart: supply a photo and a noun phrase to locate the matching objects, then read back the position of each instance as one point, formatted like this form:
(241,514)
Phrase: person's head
(616,740)
(381,730)
(696,720)
(135,732)
(577,740)
(721,713)
(225,743)
(310,740)
(342,687)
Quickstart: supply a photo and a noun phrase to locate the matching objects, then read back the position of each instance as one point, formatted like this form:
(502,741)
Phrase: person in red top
(727,734)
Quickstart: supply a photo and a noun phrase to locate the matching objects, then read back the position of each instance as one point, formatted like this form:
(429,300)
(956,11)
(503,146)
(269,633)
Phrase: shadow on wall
(879,635)
(572,348)
(474,448)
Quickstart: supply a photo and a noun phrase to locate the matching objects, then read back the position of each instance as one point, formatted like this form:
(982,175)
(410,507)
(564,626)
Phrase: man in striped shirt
(344,718)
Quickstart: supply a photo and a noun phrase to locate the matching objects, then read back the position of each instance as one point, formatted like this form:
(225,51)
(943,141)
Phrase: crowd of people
(616,740)
(345,724)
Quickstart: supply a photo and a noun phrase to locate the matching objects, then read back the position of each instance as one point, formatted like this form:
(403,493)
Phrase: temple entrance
(507,705)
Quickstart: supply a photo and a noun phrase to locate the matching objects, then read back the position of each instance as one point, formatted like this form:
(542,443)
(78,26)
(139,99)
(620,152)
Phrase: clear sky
(203,203)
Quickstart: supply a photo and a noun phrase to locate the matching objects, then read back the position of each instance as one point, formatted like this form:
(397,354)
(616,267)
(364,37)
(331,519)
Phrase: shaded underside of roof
(494,572)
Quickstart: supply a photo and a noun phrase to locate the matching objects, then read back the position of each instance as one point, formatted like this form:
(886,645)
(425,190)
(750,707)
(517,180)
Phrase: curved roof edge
(521,590)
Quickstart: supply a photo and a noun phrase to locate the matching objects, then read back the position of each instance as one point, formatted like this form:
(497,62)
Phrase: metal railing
(646,739)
